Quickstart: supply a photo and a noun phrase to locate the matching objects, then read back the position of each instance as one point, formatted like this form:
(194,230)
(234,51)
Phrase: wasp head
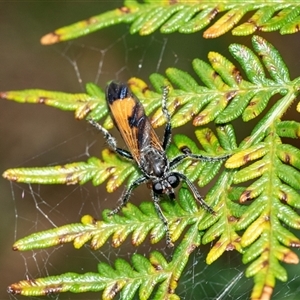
(166,185)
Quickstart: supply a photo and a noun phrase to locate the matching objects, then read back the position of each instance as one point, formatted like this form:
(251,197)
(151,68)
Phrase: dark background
(36,135)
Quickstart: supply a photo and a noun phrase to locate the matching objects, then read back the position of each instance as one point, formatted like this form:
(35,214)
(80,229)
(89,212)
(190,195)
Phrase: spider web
(40,136)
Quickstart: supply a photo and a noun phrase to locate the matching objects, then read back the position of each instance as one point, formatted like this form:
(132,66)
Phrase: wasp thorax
(153,163)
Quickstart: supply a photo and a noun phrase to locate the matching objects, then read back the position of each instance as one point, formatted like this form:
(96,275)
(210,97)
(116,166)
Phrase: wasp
(146,149)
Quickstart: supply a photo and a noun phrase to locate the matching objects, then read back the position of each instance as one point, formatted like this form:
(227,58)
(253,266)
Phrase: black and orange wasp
(146,149)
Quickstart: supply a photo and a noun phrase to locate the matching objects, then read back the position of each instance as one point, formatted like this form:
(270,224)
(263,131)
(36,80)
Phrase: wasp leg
(168,128)
(207,158)
(111,140)
(195,192)
(174,162)
(126,195)
(163,219)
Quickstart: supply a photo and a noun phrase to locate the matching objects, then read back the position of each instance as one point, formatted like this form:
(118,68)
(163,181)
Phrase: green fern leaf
(189,17)
(82,104)
(265,238)
(292,26)
(79,172)
(136,221)
(290,129)
(225,96)
(145,275)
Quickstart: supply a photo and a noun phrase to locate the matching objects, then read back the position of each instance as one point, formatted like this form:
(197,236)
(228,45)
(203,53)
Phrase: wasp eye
(173,180)
(158,188)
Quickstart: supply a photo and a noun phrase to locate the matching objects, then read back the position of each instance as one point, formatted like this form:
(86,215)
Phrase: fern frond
(138,221)
(224,96)
(143,276)
(117,170)
(82,104)
(275,169)
(112,167)
(189,17)
(156,271)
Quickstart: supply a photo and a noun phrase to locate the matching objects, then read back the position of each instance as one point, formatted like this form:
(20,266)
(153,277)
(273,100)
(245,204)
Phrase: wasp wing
(129,117)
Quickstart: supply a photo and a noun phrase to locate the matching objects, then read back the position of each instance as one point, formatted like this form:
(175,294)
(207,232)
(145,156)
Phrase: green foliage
(79,172)
(138,221)
(188,17)
(144,275)
(263,171)
(276,183)
(82,104)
